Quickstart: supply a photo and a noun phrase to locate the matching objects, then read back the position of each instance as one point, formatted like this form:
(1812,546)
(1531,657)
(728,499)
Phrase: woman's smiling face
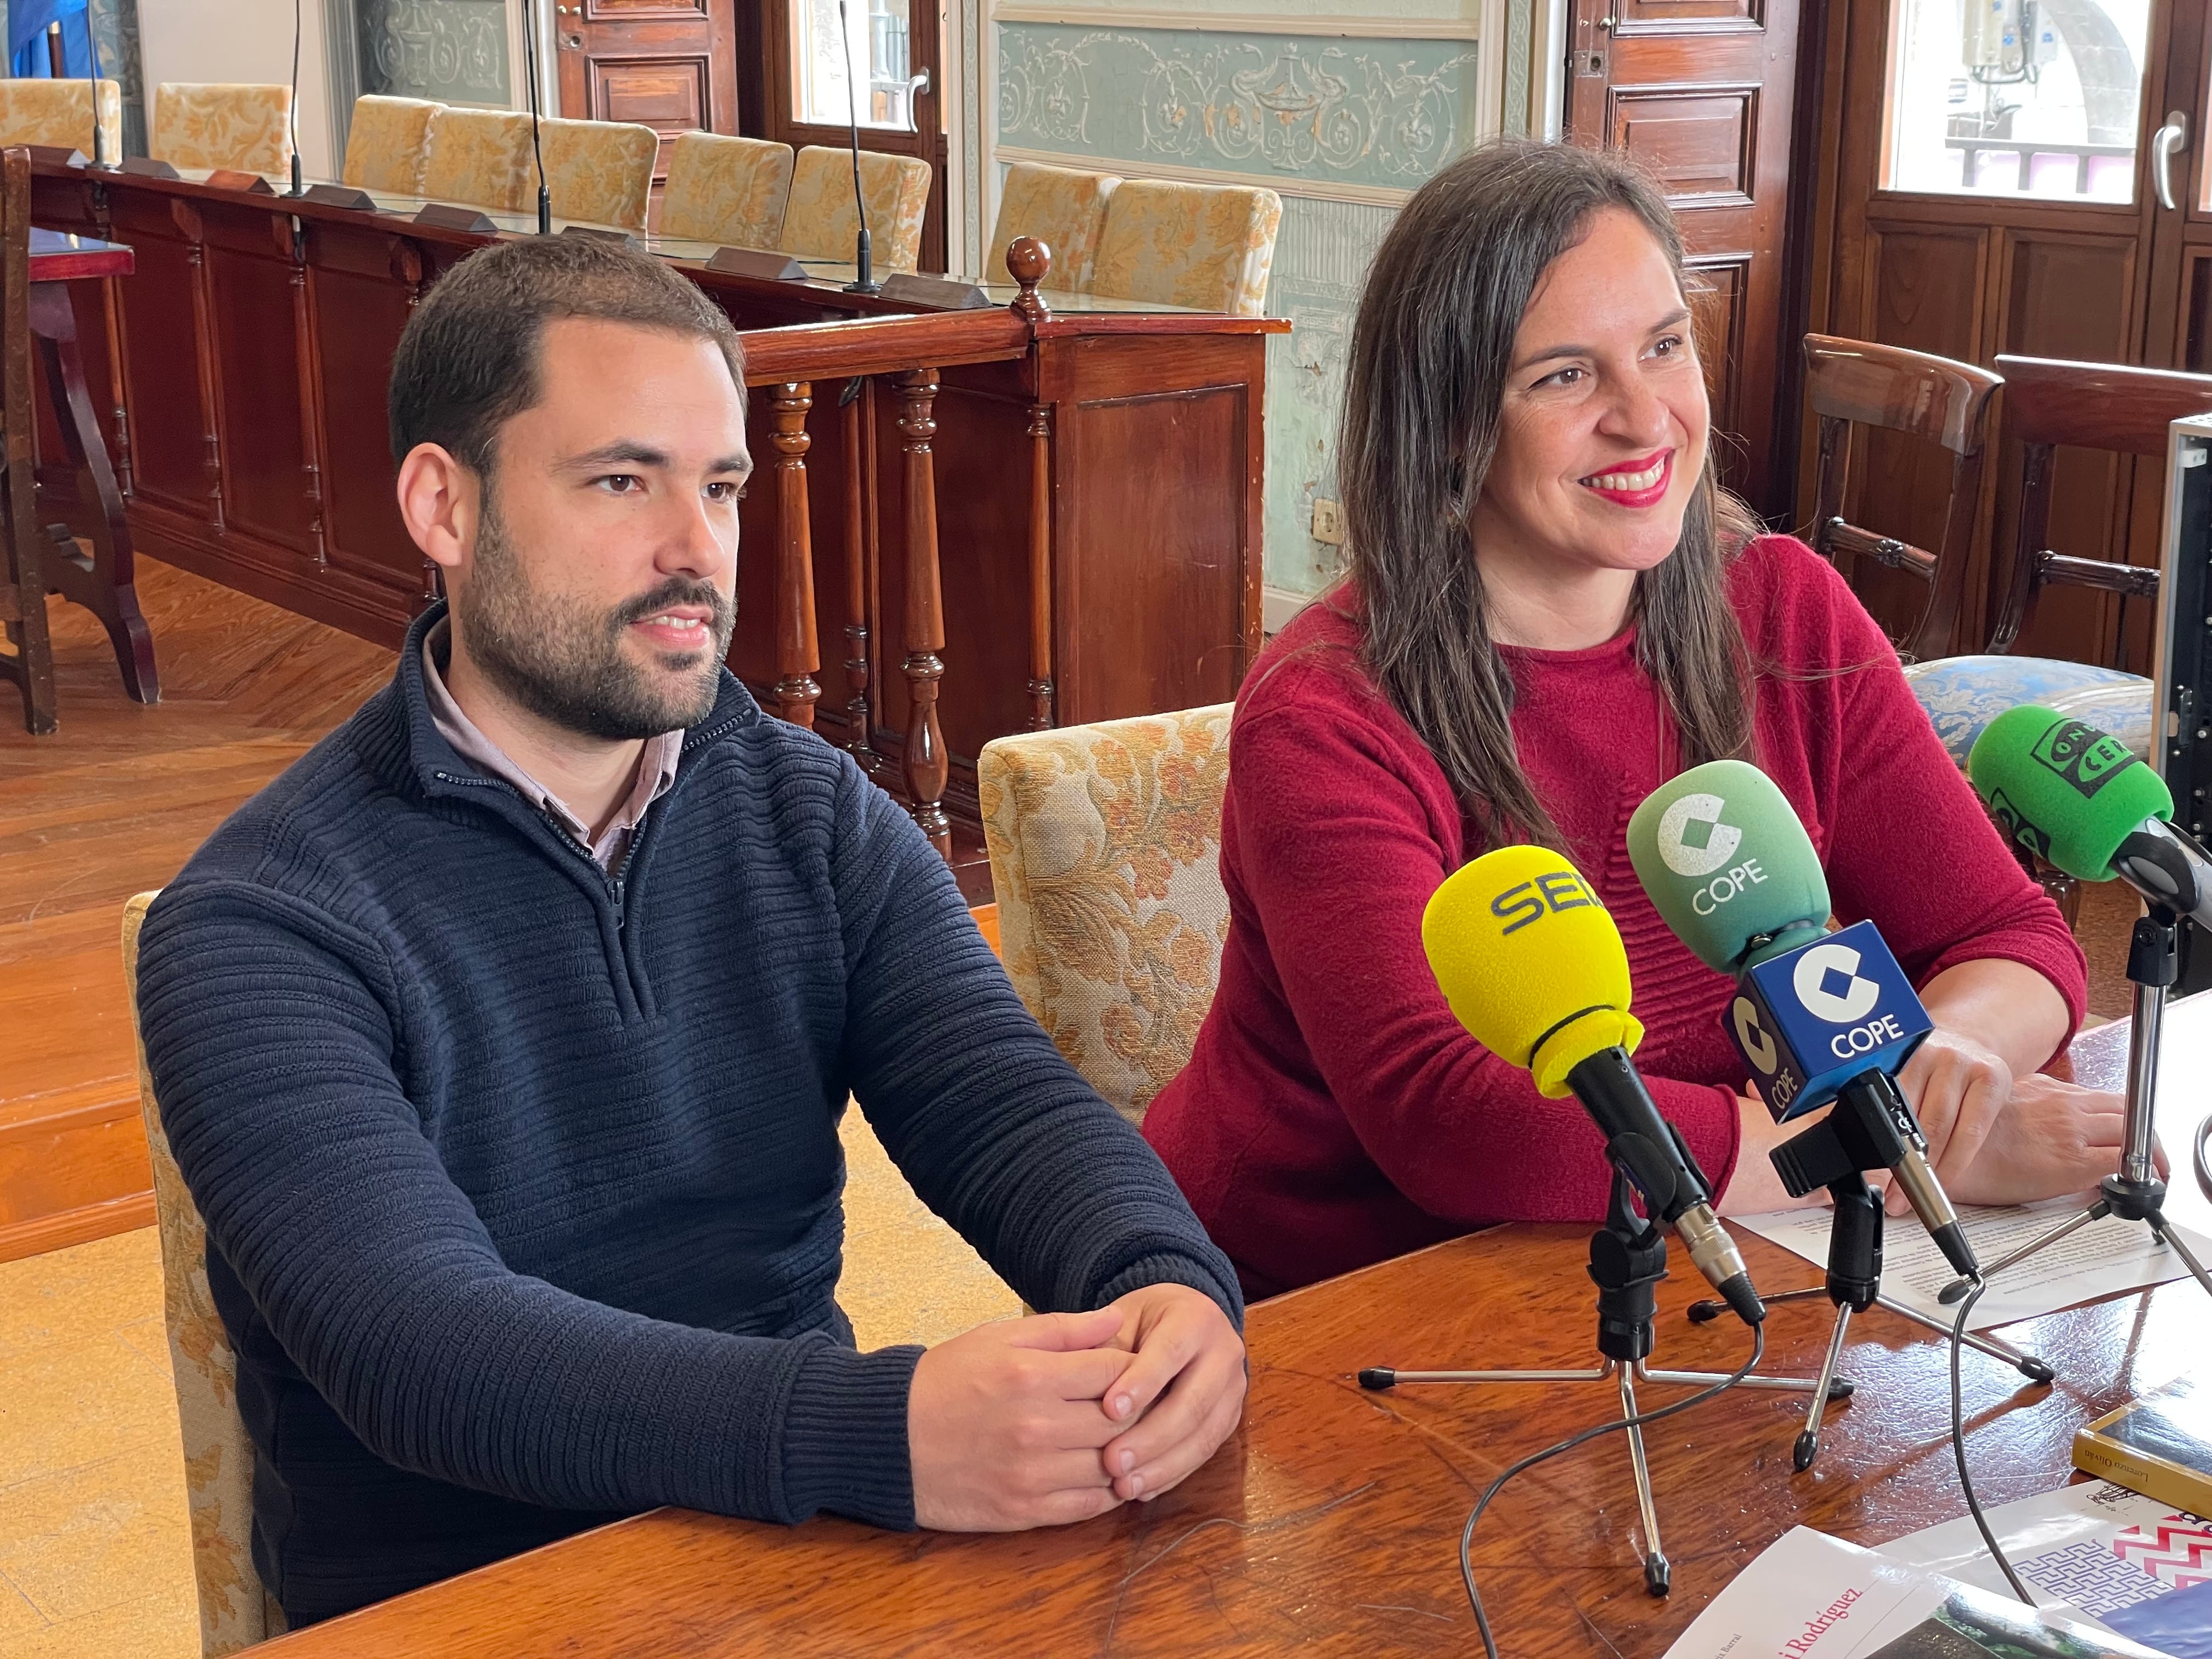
(1601,436)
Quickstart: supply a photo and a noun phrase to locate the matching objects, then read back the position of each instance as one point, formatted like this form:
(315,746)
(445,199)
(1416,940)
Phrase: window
(872,41)
(2019,98)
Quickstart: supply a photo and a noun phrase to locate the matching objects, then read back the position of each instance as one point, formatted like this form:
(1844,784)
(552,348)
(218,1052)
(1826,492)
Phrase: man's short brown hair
(469,359)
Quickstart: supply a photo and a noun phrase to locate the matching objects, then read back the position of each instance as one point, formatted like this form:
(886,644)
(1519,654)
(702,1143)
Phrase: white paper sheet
(1811,1596)
(2043,1537)
(2101,1259)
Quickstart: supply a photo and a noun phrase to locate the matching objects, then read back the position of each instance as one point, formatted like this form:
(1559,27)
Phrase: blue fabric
(1962,695)
(521,1178)
(27,42)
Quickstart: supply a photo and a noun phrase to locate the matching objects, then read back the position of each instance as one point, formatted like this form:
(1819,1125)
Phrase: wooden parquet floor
(113,803)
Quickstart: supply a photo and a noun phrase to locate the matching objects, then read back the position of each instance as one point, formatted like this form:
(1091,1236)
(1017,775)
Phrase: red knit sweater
(1334,1113)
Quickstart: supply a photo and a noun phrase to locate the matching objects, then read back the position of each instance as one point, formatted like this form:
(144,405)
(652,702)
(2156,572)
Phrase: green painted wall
(1340,126)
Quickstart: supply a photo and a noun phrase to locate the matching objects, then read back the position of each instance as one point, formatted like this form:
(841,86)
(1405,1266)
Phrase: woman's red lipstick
(1650,495)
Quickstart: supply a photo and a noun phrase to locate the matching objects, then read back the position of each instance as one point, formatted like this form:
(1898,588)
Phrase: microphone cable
(1466,1533)
(1958,1444)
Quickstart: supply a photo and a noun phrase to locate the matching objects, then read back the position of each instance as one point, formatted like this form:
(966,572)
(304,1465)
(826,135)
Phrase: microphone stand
(530,53)
(2136,1194)
(1628,1258)
(299,187)
(1859,1134)
(863,280)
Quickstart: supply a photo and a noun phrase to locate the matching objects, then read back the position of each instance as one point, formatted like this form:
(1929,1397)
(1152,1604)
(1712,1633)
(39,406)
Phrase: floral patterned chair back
(235,1610)
(822,221)
(480,158)
(1105,844)
(387,142)
(1061,208)
(598,171)
(59,113)
(1206,246)
(725,189)
(221,124)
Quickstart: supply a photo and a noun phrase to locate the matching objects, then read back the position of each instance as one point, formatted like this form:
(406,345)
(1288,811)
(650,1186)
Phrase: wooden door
(668,64)
(1701,93)
(895,50)
(1996,194)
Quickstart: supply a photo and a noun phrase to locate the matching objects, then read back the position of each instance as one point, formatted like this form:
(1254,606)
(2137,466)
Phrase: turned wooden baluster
(797,655)
(1028,259)
(1041,718)
(925,759)
(859,558)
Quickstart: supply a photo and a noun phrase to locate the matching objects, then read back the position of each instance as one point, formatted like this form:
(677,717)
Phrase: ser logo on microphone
(1547,895)
(1694,841)
(2086,757)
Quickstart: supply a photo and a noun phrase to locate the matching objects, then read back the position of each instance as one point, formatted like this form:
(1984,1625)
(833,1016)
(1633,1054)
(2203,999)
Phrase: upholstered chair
(1061,208)
(822,220)
(1204,246)
(1105,844)
(236,1611)
(223,125)
(387,142)
(59,113)
(1962,695)
(724,189)
(480,158)
(597,172)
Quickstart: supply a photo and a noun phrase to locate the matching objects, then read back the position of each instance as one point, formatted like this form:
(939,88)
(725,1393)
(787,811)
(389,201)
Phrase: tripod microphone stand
(1859,1134)
(1628,1258)
(2136,1194)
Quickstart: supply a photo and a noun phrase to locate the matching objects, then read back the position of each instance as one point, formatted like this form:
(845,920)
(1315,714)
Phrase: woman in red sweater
(1551,610)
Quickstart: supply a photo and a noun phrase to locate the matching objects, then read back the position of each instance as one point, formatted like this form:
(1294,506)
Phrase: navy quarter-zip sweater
(522,1181)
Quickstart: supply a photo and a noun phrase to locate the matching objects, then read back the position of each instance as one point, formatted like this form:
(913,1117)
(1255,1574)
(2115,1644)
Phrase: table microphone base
(1628,1258)
(2136,1194)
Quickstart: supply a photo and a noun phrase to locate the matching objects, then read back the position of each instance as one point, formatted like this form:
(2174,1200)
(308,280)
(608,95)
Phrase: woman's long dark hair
(1430,354)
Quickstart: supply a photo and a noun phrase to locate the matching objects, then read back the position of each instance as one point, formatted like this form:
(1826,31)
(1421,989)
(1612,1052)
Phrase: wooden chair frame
(1857,383)
(2107,406)
(23,594)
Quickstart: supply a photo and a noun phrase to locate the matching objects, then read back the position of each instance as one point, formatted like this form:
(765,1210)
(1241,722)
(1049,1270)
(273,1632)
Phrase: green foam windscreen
(2063,789)
(1728,865)
(1530,962)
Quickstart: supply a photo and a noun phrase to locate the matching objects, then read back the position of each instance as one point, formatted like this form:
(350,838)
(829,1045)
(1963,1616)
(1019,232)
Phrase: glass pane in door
(2017,98)
(831,43)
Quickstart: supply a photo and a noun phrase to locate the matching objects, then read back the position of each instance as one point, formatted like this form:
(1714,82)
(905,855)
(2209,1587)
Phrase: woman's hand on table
(2051,1138)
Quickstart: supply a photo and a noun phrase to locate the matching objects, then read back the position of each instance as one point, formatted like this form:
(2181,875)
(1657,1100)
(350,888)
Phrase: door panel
(2045,178)
(667,64)
(1700,92)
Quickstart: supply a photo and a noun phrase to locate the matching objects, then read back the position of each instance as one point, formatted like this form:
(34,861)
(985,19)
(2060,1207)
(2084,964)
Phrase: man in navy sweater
(504,1040)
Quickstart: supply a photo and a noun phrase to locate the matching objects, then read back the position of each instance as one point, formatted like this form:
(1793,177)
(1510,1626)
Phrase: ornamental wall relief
(1290,107)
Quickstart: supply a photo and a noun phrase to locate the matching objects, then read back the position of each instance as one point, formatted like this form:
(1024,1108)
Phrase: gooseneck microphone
(292,114)
(536,151)
(863,280)
(1534,967)
(1818,1017)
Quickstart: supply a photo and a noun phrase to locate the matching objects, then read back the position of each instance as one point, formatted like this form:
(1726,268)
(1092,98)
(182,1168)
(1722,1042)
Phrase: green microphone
(1728,865)
(2077,798)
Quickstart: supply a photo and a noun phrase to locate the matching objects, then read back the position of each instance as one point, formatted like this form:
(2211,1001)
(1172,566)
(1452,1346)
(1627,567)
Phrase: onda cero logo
(2086,757)
(1693,840)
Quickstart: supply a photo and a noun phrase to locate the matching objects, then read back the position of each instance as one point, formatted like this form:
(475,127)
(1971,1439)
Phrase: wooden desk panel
(1330,1523)
(252,357)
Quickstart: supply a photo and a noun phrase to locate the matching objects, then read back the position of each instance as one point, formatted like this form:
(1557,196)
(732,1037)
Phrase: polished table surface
(62,256)
(1330,1523)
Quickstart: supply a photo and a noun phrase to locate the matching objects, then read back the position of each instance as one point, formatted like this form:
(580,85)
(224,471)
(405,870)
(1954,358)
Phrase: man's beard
(566,666)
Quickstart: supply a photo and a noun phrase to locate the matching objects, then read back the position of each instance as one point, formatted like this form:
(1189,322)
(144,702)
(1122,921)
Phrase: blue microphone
(1818,1017)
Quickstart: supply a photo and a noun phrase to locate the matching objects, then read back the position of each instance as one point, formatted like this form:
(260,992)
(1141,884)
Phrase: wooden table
(103,581)
(1329,1524)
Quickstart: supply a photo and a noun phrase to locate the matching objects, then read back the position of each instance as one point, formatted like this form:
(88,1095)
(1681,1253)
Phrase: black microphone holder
(1858,1136)
(2136,1194)
(1628,1258)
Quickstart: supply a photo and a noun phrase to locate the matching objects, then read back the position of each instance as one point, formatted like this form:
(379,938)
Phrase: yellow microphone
(1534,967)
